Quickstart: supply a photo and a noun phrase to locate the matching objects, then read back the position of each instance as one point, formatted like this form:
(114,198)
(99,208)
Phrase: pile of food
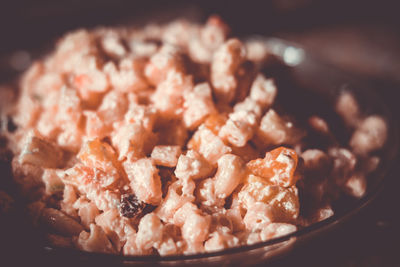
(168,140)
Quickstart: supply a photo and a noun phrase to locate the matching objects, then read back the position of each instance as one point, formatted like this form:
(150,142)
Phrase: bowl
(313,84)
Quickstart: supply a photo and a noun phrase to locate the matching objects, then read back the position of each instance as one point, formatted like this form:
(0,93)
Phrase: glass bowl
(313,82)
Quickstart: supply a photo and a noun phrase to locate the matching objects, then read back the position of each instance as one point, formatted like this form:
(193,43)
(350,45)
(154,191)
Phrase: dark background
(359,37)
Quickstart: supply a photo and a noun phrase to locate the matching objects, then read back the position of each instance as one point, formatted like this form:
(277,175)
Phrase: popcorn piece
(192,166)
(210,37)
(369,136)
(142,48)
(141,114)
(71,139)
(132,140)
(208,145)
(219,241)
(198,105)
(274,130)
(231,170)
(116,227)
(179,33)
(258,216)
(263,91)
(239,128)
(166,155)
(128,77)
(179,193)
(112,44)
(145,181)
(275,230)
(168,97)
(166,59)
(206,194)
(95,126)
(225,62)
(195,226)
(94,81)
(113,107)
(87,211)
(91,182)
(130,247)
(150,232)
(69,198)
(357,185)
(182,214)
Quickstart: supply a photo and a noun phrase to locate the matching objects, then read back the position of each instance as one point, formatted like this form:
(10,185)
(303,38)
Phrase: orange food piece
(277,167)
(100,164)
(284,202)
(91,178)
(82,81)
(83,175)
(99,155)
(214,122)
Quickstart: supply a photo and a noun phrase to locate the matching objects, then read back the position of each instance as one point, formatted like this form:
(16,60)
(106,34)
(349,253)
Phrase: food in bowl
(169,140)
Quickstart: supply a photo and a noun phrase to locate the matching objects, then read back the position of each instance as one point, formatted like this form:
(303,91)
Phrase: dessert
(168,140)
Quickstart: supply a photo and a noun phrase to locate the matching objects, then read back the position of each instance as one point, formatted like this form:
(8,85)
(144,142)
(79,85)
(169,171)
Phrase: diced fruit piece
(214,122)
(278,167)
(284,202)
(99,155)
